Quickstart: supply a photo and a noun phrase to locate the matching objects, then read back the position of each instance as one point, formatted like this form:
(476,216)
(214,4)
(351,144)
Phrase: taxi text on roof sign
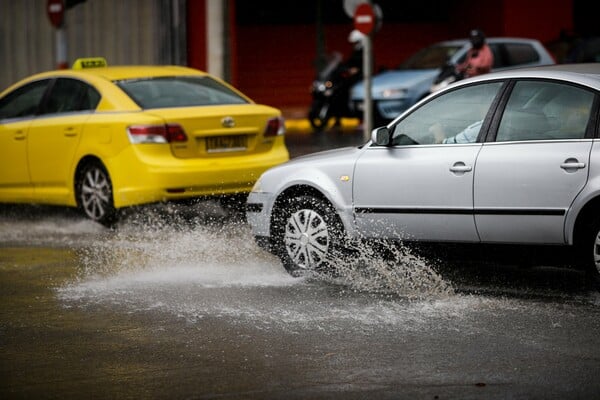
(95,62)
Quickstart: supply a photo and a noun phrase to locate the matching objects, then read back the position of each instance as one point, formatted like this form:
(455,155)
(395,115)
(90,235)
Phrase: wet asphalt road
(179,303)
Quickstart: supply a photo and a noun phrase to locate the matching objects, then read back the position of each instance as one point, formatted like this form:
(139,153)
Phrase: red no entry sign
(364,18)
(56,12)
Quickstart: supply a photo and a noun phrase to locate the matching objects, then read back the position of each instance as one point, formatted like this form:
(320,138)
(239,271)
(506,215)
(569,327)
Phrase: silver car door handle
(460,168)
(572,165)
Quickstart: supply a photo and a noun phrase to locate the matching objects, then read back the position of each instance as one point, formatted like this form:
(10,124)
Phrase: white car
(508,158)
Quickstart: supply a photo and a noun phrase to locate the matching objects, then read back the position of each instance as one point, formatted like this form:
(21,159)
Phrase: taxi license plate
(219,144)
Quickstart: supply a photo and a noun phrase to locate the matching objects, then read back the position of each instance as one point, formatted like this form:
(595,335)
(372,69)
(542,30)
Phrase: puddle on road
(198,268)
(209,267)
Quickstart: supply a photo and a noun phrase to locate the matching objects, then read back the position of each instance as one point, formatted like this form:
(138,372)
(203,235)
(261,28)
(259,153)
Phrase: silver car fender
(335,184)
(589,192)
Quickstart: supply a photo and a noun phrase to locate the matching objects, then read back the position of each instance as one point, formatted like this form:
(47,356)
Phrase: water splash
(388,268)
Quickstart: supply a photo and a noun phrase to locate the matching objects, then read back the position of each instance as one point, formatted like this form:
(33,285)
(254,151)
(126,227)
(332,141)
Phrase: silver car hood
(312,169)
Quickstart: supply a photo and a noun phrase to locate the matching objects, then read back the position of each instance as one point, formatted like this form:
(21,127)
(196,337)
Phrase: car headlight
(393,93)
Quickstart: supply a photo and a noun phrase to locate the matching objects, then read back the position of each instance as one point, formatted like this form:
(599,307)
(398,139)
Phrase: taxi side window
(69,95)
(24,101)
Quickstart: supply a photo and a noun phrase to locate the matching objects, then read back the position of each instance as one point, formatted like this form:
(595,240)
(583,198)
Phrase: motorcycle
(448,75)
(330,94)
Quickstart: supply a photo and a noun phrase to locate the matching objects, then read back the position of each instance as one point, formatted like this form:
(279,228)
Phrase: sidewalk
(296,120)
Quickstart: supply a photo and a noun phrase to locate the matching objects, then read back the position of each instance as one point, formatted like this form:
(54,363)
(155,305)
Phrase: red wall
(196,34)
(275,64)
(539,19)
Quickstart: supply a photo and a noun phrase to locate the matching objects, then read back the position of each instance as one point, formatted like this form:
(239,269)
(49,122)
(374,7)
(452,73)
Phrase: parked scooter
(330,94)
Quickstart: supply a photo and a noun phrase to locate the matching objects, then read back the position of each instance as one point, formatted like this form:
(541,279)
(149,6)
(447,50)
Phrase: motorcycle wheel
(319,117)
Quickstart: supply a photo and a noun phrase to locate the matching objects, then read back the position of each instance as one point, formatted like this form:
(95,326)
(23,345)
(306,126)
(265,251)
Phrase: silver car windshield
(179,92)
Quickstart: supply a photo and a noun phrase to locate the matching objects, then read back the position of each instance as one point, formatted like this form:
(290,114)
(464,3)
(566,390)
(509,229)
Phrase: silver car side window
(541,110)
(455,117)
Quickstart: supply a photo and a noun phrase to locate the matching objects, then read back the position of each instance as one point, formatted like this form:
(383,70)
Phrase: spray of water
(201,260)
(385,268)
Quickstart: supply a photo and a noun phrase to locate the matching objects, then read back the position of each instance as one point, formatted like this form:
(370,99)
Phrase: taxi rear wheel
(95,194)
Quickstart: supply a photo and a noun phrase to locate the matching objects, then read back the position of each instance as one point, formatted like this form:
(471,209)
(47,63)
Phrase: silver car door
(421,186)
(526,180)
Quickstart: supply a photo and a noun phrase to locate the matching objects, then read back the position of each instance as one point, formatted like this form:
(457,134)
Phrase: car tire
(591,252)
(595,267)
(319,116)
(94,193)
(307,233)
(587,249)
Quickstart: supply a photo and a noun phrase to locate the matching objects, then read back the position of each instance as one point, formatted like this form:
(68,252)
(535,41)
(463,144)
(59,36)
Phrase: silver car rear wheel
(597,250)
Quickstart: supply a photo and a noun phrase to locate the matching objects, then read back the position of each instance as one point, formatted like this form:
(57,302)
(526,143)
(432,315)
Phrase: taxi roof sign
(94,62)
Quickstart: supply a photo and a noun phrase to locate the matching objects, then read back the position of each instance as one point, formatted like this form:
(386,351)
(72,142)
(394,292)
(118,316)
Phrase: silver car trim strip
(460,211)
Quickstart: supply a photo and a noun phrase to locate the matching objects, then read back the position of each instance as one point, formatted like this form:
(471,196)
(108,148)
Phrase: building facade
(270,50)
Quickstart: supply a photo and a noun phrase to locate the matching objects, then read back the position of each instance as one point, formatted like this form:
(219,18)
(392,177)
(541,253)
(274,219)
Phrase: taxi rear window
(166,92)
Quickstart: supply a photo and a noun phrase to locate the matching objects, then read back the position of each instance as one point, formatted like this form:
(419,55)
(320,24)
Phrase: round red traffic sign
(56,12)
(364,18)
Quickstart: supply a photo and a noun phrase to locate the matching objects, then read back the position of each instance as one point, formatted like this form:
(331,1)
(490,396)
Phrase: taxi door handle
(20,135)
(70,131)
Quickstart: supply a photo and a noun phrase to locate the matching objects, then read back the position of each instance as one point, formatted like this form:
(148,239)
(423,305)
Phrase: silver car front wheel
(306,235)
(306,239)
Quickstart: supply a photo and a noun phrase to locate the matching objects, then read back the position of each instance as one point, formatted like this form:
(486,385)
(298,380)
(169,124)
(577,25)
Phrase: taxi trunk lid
(220,131)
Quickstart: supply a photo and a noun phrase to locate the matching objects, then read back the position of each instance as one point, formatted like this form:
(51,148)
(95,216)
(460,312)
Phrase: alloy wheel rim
(307,239)
(95,193)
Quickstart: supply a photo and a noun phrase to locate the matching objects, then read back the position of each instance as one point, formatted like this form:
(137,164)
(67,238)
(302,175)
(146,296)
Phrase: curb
(304,125)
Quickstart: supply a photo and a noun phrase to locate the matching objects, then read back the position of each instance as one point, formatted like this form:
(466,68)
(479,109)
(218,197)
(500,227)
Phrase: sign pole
(61,48)
(56,14)
(364,22)
(368,98)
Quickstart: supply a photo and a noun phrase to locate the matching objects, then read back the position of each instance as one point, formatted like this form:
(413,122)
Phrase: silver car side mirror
(381,136)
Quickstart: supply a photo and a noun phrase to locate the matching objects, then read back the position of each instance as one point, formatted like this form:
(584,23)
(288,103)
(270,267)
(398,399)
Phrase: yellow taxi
(104,137)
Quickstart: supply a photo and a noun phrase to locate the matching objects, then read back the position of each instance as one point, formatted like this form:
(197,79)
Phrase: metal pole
(61,48)
(368,100)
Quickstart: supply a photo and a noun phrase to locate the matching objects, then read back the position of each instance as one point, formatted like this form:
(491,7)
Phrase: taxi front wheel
(94,193)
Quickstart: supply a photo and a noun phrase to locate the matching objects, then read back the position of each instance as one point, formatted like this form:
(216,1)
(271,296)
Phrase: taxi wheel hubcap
(307,239)
(95,193)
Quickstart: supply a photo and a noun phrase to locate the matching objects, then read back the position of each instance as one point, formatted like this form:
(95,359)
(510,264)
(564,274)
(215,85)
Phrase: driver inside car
(467,135)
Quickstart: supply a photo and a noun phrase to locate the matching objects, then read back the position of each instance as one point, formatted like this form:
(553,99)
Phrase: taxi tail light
(168,133)
(275,127)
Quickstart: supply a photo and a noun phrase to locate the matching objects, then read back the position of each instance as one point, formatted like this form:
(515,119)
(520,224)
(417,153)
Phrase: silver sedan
(510,158)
